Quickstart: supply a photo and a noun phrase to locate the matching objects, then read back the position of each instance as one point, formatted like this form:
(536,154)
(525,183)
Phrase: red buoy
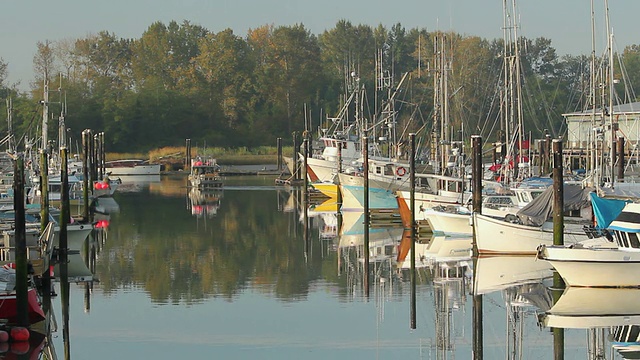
(19,334)
(4,336)
(20,348)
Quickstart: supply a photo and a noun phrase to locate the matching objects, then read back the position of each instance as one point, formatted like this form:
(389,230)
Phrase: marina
(208,276)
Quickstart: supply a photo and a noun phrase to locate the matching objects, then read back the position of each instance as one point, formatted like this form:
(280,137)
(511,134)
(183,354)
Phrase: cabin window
(633,240)
(388,170)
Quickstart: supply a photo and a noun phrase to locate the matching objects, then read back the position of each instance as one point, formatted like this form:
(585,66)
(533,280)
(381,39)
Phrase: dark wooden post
(542,157)
(44,190)
(620,144)
(558,194)
(21,243)
(365,155)
(296,158)
(476,178)
(187,160)
(412,205)
(86,139)
(279,145)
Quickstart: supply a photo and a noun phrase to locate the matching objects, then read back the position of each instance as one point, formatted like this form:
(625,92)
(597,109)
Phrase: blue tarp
(606,210)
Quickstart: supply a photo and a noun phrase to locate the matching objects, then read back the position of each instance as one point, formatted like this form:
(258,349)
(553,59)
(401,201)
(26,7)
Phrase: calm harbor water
(233,275)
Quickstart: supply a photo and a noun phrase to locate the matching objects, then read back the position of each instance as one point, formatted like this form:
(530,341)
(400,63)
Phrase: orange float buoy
(19,334)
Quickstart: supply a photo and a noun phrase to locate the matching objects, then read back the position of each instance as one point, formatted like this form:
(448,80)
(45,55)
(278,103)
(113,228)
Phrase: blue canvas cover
(606,210)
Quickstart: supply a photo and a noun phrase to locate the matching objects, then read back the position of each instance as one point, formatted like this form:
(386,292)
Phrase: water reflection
(204,203)
(612,314)
(275,275)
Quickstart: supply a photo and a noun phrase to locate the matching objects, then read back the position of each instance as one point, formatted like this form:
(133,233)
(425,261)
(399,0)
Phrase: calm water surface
(235,276)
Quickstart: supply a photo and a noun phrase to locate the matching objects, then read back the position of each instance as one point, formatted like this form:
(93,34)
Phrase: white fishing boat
(131,167)
(452,220)
(531,227)
(615,266)
(205,174)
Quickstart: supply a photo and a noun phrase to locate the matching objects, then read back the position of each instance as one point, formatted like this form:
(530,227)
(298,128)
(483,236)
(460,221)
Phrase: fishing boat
(9,307)
(522,234)
(131,167)
(205,174)
(449,220)
(614,266)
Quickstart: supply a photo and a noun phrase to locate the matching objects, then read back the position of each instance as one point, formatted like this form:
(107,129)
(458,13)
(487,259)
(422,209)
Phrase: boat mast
(592,153)
(613,126)
(45,113)
(9,125)
(440,141)
(512,117)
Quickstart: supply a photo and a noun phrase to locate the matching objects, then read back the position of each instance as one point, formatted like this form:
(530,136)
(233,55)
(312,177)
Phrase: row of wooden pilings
(477,175)
(93,166)
(558,238)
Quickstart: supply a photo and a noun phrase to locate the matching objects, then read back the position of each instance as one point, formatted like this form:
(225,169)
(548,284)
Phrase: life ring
(400,171)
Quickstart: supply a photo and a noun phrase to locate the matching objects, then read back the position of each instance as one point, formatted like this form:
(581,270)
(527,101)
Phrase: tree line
(180,80)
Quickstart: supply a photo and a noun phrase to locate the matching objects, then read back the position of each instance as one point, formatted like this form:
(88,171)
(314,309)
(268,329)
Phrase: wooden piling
(558,192)
(365,155)
(187,160)
(296,147)
(620,144)
(64,203)
(21,243)
(279,146)
(476,178)
(85,172)
(412,181)
(44,190)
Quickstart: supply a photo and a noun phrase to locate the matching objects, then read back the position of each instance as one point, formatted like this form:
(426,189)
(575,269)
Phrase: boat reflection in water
(432,249)
(204,203)
(523,282)
(606,313)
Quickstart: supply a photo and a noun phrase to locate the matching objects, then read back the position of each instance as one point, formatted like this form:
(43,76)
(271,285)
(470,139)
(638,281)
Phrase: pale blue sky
(566,22)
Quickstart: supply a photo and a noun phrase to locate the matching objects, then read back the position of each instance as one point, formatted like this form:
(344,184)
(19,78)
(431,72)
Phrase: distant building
(580,127)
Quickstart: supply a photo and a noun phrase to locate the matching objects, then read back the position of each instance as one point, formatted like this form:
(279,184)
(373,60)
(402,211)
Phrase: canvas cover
(541,208)
(606,210)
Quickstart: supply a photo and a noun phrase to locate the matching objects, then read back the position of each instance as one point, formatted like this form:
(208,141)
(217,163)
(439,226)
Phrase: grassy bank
(174,157)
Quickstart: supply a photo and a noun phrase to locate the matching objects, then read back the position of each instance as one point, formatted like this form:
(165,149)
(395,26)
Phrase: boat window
(388,169)
(633,240)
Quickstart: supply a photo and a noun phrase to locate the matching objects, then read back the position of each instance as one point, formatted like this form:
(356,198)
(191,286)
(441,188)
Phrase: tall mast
(592,99)
(440,139)
(9,125)
(512,117)
(45,114)
(612,126)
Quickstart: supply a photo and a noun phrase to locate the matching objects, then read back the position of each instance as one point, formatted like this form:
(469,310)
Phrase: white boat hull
(595,267)
(149,169)
(494,236)
(449,223)
(321,170)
